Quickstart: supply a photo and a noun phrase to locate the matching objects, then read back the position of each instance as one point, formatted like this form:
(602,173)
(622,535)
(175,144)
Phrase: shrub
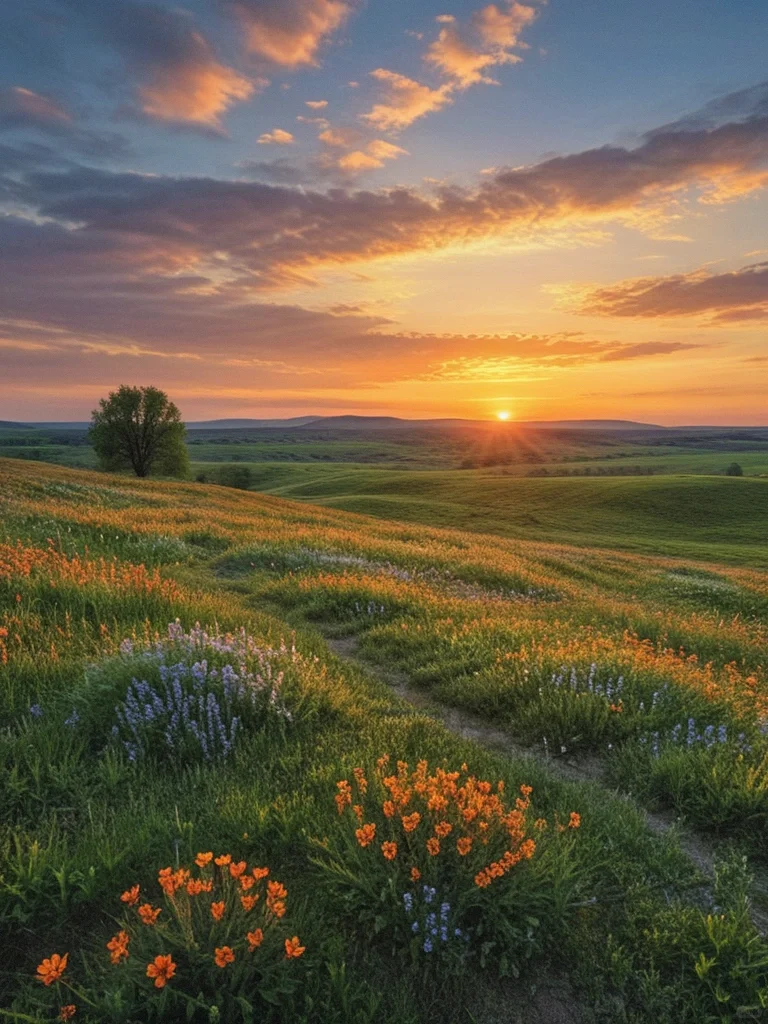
(234,476)
(442,863)
(213,946)
(734,469)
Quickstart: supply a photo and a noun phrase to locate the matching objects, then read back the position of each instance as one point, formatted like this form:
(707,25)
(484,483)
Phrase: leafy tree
(734,470)
(139,429)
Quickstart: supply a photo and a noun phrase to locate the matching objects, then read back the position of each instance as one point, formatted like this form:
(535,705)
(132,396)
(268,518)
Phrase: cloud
(316,104)
(277,137)
(178,76)
(357,160)
(281,170)
(726,297)
(290,32)
(464,54)
(339,137)
(22,110)
(405,101)
(385,150)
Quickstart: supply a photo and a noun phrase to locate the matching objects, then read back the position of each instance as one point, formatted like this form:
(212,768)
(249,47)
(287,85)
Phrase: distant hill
(350,422)
(295,421)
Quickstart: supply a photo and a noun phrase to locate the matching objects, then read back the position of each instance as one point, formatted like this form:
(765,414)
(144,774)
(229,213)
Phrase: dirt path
(472,727)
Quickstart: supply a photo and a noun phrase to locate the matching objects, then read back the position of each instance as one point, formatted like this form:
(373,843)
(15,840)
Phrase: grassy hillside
(698,517)
(423,883)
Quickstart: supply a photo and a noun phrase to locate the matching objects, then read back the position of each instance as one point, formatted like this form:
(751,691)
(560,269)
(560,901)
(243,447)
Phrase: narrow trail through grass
(476,729)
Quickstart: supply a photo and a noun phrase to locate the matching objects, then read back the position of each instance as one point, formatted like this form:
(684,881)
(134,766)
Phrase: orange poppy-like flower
(389,809)
(360,779)
(389,850)
(411,821)
(118,947)
(433,846)
(248,902)
(194,886)
(443,829)
(483,879)
(148,914)
(67,1012)
(365,834)
(276,890)
(292,948)
(259,873)
(464,845)
(52,968)
(203,859)
(255,938)
(526,790)
(575,820)
(223,955)
(236,869)
(217,910)
(527,849)
(223,860)
(162,969)
(344,796)
(415,874)
(246,882)
(131,896)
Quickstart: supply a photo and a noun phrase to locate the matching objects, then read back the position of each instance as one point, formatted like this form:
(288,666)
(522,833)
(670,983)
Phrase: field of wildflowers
(430,879)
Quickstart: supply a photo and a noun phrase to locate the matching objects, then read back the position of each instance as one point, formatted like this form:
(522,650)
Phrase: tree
(734,470)
(139,429)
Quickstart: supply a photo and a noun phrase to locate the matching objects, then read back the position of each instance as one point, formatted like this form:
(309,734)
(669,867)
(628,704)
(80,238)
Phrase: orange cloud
(733,296)
(277,137)
(316,104)
(290,32)
(405,101)
(198,93)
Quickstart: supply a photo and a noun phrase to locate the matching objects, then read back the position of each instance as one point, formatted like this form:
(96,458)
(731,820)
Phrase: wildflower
(427,945)
(365,835)
(344,796)
(118,947)
(292,948)
(246,882)
(358,809)
(217,910)
(540,824)
(236,870)
(482,879)
(575,820)
(259,873)
(223,860)
(526,790)
(67,1012)
(148,914)
(411,821)
(464,845)
(433,846)
(203,859)
(52,968)
(131,896)
(415,874)
(443,828)
(248,903)
(36,711)
(223,955)
(360,779)
(528,848)
(255,938)
(389,809)
(195,886)
(162,969)
(389,850)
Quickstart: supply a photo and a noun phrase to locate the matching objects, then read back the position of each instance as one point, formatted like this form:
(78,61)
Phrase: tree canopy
(139,429)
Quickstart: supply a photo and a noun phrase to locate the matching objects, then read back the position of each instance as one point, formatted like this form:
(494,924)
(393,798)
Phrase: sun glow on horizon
(503,415)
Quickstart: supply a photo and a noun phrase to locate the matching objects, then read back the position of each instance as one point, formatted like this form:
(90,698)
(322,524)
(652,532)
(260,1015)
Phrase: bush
(234,476)
(734,470)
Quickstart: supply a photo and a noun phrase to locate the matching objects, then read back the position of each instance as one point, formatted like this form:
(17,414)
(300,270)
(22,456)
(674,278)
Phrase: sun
(503,415)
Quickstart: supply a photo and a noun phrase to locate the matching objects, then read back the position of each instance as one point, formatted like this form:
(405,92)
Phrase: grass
(481,622)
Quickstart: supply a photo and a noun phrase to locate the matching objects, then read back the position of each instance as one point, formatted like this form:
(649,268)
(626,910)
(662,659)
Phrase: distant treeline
(594,471)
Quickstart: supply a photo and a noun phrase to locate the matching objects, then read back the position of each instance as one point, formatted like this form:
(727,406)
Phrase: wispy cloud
(277,137)
(290,32)
(405,101)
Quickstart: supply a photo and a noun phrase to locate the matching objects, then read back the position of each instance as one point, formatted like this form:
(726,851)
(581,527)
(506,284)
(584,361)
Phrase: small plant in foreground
(213,936)
(407,835)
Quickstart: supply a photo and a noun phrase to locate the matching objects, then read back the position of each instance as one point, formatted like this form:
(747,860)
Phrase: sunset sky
(281,207)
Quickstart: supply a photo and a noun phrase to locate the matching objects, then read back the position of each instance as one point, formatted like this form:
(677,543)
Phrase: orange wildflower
(259,873)
(131,896)
(443,829)
(292,948)
(217,910)
(411,821)
(118,947)
(526,790)
(575,820)
(464,845)
(237,869)
(148,914)
(52,968)
(389,850)
(246,882)
(248,902)
(67,1012)
(203,859)
(223,859)
(223,955)
(433,846)
(360,779)
(162,969)
(344,796)
(415,874)
(255,938)
(365,835)
(389,809)
(358,809)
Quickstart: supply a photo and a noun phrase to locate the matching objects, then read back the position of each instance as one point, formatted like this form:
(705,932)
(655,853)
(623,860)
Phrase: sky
(272,208)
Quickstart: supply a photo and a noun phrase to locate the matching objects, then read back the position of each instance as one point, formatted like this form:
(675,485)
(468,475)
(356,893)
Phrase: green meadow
(372,692)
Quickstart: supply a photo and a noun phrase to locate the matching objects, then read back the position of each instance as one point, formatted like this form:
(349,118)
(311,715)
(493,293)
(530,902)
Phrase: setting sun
(504,415)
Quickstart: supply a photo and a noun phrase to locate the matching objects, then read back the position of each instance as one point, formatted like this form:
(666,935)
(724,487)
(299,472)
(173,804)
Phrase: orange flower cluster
(118,947)
(424,815)
(52,968)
